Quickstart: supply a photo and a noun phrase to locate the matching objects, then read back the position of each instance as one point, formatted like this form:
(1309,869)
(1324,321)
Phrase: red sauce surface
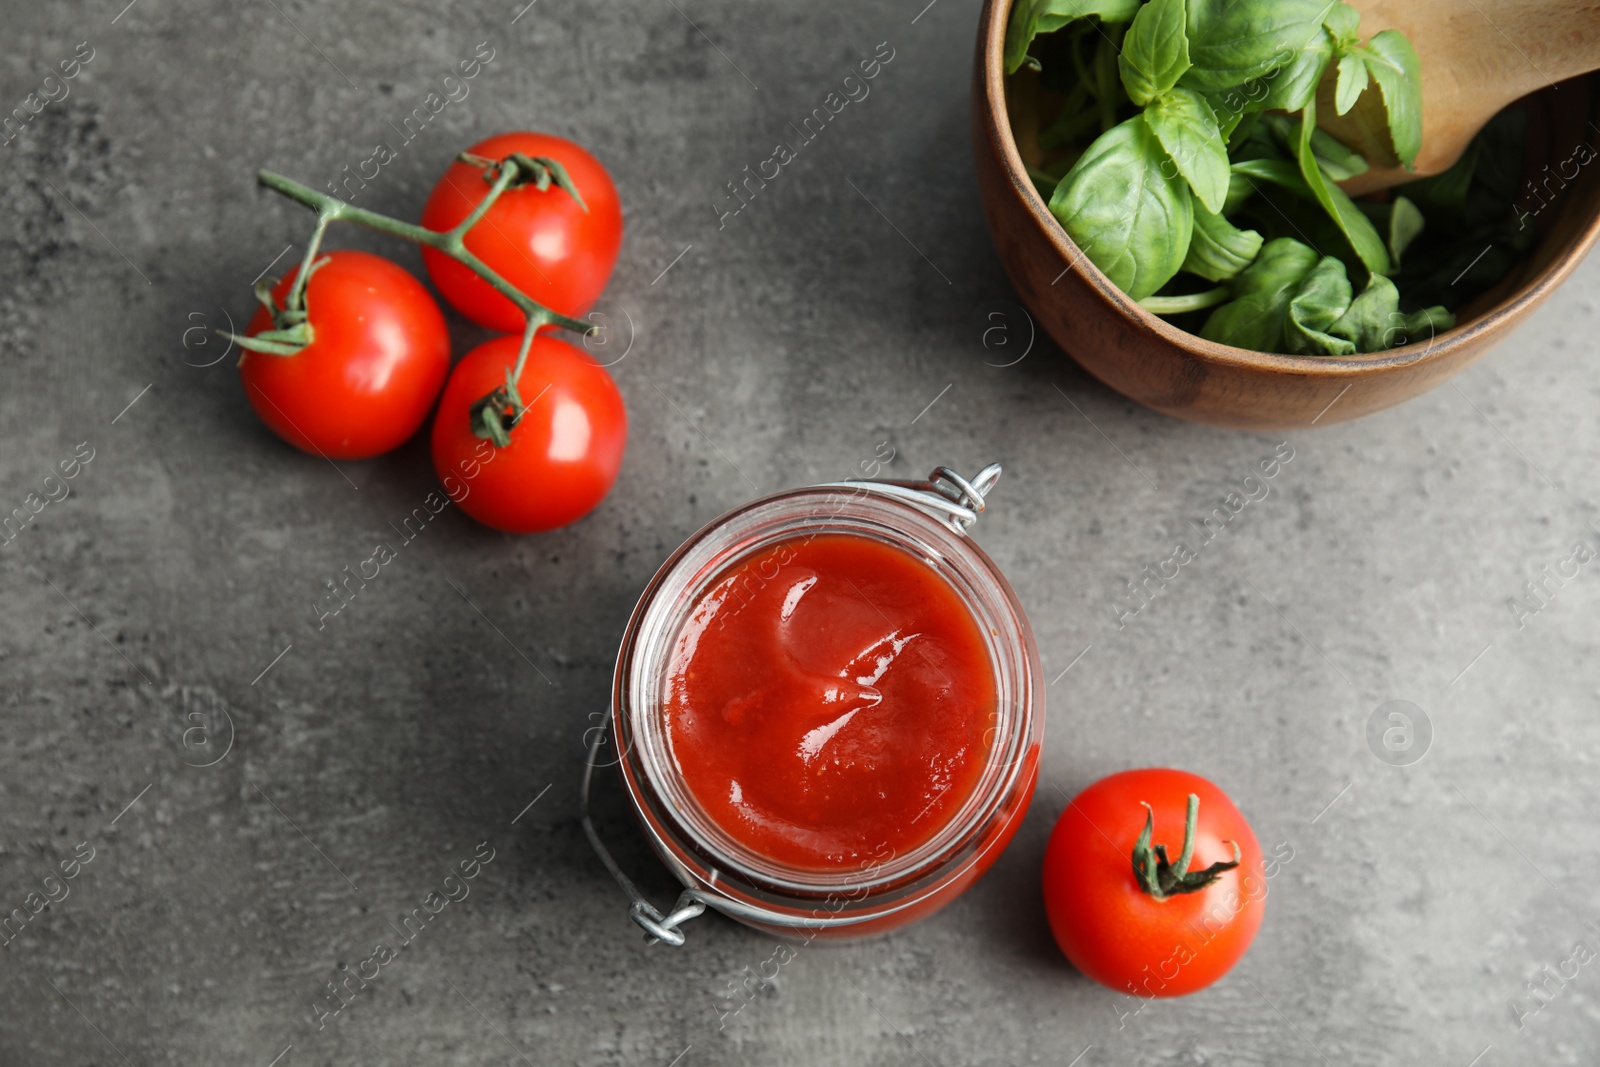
(827,702)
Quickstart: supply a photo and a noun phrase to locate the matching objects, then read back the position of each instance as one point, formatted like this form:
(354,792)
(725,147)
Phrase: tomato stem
(1162,879)
(296,300)
(495,414)
(450,242)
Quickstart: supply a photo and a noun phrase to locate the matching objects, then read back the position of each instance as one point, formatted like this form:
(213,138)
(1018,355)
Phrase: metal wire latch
(945,493)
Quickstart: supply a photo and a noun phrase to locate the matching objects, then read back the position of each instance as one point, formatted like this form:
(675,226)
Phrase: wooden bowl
(1144,358)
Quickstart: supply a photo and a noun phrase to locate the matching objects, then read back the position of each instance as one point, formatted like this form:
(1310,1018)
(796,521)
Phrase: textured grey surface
(780,349)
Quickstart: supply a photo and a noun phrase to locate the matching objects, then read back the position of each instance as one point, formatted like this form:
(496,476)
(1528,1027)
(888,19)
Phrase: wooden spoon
(1477,56)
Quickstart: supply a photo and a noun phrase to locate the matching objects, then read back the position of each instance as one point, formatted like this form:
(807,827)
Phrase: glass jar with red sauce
(828,710)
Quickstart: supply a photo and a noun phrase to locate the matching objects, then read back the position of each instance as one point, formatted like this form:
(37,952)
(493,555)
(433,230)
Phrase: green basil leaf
(1240,190)
(1405,226)
(1227,111)
(1393,64)
(1337,161)
(1294,82)
(1187,128)
(1497,179)
(1243,130)
(1156,51)
(1430,321)
(1219,250)
(1121,207)
(1363,236)
(1227,122)
(1029,18)
(1371,316)
(1343,21)
(1254,317)
(1318,302)
(1443,197)
(1352,83)
(1279,172)
(1269,138)
(1317,227)
(1232,42)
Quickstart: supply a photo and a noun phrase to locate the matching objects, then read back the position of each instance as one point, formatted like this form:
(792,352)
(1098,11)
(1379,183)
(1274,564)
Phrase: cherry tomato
(542,242)
(564,452)
(1110,926)
(365,383)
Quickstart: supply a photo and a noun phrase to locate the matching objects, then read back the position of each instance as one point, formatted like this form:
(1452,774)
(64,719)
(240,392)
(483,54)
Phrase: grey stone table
(159,617)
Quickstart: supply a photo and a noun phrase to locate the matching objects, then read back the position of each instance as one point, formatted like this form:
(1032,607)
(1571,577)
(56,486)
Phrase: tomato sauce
(828,700)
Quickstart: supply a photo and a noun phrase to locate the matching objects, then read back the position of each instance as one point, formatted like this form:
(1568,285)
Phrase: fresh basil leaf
(1393,65)
(1074,119)
(1226,119)
(1337,160)
(1476,232)
(1228,114)
(1232,42)
(1243,131)
(1187,128)
(1322,296)
(1357,228)
(1352,82)
(1264,140)
(1254,317)
(1156,51)
(1371,315)
(1497,180)
(1405,226)
(1343,21)
(1219,250)
(1307,219)
(1443,197)
(1294,82)
(1240,190)
(1279,172)
(1128,215)
(1029,18)
(1054,14)
(1430,321)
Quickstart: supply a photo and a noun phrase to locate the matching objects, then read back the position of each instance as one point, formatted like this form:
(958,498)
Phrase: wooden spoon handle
(1477,56)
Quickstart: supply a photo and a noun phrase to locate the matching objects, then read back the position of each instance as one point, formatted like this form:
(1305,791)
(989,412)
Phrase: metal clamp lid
(945,494)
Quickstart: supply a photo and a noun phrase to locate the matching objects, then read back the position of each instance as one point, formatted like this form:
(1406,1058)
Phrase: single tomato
(1204,909)
(378,355)
(541,241)
(564,452)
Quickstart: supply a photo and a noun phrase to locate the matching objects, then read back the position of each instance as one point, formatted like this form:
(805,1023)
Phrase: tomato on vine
(348,365)
(1131,917)
(555,237)
(559,429)
(530,431)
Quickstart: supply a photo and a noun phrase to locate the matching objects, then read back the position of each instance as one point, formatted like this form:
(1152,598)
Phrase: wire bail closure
(945,494)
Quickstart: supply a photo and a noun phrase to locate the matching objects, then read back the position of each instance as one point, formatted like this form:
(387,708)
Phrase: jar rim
(676,819)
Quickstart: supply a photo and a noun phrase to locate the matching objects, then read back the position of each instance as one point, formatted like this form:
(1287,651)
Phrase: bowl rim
(1452,342)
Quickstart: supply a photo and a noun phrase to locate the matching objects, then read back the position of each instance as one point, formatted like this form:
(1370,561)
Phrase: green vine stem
(494,415)
(1174,305)
(1162,879)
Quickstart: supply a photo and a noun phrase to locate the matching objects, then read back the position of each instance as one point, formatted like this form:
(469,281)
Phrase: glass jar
(929,521)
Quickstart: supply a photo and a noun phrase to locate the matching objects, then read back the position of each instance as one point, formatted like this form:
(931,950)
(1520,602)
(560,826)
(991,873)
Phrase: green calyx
(291,324)
(537,171)
(1161,878)
(494,416)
